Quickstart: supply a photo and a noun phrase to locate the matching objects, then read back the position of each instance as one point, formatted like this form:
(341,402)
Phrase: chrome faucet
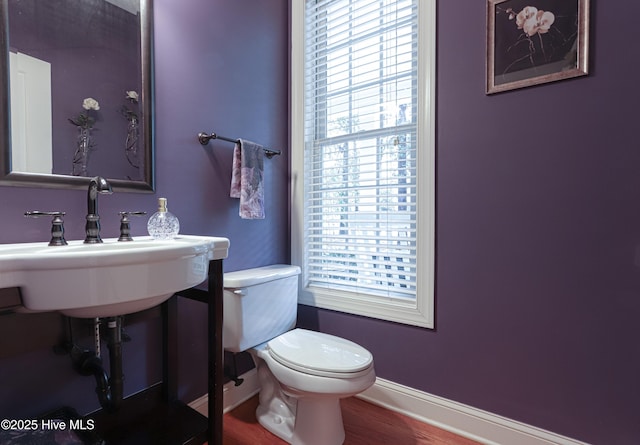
(92,227)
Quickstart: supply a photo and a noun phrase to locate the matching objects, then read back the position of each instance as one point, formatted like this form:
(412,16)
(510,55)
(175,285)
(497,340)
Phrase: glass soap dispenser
(163,224)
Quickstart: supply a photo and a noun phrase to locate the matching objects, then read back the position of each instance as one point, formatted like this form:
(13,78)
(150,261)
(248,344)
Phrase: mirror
(76,93)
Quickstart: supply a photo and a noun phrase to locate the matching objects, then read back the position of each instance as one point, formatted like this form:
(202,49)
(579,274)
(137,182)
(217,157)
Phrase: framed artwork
(530,42)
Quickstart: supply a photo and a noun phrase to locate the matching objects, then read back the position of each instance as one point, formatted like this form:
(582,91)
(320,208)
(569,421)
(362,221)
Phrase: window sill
(391,309)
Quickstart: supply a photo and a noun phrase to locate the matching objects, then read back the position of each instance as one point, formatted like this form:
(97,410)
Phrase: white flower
(540,23)
(132,96)
(545,20)
(533,21)
(90,104)
(524,15)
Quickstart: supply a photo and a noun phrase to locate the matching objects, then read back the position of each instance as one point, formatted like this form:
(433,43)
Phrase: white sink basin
(108,279)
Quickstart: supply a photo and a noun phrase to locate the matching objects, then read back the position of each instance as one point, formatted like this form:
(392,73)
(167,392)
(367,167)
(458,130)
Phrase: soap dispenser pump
(163,224)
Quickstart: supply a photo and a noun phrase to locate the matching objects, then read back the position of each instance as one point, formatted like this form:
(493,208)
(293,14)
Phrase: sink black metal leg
(170,358)
(216,353)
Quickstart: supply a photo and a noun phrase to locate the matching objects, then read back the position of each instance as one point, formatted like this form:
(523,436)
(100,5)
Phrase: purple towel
(246,179)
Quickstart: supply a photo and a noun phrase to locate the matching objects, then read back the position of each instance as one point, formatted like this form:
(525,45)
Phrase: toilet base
(316,422)
(297,419)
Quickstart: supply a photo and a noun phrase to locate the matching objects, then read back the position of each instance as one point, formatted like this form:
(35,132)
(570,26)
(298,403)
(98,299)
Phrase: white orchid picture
(535,41)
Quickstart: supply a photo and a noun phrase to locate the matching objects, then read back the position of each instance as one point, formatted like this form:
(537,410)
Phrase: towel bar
(204,139)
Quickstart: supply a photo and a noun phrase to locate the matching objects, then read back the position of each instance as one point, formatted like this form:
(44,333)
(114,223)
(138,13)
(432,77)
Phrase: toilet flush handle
(240,292)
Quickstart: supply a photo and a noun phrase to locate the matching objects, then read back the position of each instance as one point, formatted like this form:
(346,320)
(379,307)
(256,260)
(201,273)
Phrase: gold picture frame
(530,42)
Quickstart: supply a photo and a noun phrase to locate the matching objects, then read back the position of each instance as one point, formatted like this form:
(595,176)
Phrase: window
(363,156)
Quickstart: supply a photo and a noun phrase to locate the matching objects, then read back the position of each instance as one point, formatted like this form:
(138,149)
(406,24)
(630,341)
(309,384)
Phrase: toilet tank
(259,304)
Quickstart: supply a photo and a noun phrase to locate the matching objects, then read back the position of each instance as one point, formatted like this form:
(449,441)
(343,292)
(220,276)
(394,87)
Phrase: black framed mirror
(76,93)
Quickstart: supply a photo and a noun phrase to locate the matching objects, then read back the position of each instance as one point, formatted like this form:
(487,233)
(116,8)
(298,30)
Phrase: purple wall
(538,220)
(538,234)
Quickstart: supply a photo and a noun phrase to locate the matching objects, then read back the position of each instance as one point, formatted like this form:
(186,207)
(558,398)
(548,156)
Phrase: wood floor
(364,423)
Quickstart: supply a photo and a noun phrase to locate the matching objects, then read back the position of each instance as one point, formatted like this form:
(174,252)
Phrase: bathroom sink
(107,279)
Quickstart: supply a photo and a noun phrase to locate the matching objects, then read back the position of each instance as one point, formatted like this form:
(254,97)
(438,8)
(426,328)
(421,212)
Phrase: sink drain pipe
(108,389)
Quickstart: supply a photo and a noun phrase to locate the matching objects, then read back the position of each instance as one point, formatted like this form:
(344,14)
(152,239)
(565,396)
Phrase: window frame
(421,311)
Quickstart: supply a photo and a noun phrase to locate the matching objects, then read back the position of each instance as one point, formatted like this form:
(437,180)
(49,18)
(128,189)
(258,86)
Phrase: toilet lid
(320,354)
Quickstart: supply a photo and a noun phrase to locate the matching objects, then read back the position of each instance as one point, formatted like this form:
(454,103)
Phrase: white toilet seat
(320,354)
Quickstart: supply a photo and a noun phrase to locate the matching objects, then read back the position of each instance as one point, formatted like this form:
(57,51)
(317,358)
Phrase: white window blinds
(360,121)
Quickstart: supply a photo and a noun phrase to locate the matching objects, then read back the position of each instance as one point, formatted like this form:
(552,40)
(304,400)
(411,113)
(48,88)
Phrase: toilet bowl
(303,374)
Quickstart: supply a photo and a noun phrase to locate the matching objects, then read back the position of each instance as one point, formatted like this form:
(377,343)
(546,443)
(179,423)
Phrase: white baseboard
(464,420)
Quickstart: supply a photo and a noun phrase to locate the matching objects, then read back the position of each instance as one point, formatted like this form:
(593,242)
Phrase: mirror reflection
(80,96)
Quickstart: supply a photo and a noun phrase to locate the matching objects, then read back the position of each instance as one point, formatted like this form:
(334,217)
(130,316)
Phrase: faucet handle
(57,226)
(125,227)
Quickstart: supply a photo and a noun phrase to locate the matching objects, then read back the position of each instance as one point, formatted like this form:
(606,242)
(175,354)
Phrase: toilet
(303,374)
